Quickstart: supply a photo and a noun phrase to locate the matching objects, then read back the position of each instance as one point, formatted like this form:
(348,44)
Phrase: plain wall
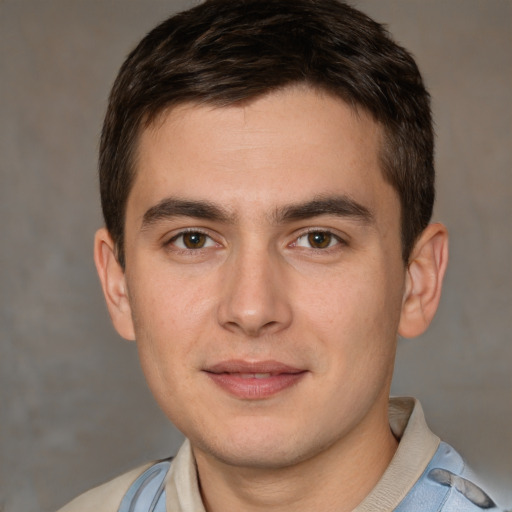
(74,408)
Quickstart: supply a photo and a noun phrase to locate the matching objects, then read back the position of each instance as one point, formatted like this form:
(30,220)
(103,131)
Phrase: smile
(254,380)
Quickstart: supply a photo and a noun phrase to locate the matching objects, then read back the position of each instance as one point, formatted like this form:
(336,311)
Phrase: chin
(260,446)
(263,456)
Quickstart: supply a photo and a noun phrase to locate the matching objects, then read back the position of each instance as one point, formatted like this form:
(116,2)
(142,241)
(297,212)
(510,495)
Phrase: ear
(424,280)
(113,282)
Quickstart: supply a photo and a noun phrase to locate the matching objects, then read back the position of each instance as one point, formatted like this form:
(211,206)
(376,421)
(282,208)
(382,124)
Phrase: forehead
(283,147)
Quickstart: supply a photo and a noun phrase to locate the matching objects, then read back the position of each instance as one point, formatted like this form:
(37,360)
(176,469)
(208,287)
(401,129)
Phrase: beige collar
(415,450)
(417,446)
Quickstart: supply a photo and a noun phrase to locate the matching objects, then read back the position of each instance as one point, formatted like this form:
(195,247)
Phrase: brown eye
(194,240)
(190,240)
(320,239)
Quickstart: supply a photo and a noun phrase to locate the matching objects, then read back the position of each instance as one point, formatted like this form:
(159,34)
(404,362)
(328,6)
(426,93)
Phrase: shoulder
(447,485)
(106,497)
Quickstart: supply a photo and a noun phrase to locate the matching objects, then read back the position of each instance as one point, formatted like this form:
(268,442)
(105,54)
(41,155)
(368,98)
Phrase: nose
(254,299)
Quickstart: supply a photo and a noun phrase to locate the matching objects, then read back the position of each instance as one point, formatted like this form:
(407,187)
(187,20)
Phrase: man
(267,184)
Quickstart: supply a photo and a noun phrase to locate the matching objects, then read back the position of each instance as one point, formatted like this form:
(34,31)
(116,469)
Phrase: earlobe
(424,280)
(113,283)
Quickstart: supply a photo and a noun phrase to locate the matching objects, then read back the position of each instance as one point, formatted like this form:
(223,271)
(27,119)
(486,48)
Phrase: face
(264,277)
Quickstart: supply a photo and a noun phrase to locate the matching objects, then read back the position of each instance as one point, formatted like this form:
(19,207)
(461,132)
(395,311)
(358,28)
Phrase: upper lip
(250,367)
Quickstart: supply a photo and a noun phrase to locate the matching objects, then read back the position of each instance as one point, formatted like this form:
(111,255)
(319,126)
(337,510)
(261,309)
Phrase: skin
(260,287)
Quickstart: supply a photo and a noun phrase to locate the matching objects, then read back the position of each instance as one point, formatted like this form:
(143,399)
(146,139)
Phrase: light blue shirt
(443,487)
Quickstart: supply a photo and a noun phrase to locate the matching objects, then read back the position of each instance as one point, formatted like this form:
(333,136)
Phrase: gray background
(74,409)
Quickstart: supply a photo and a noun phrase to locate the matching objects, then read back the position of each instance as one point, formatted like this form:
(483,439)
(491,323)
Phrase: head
(231,52)
(266,173)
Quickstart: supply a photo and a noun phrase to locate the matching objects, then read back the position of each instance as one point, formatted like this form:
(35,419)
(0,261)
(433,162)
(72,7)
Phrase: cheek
(355,311)
(170,315)
(167,302)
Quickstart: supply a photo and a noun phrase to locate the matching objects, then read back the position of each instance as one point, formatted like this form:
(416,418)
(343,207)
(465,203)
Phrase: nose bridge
(254,300)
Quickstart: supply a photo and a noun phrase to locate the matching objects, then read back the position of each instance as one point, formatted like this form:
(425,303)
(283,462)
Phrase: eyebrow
(173,207)
(339,206)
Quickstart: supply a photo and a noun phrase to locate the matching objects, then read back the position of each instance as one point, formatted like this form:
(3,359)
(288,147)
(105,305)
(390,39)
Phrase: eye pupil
(194,240)
(319,239)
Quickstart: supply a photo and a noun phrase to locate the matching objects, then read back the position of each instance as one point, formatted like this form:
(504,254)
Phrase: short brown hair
(223,52)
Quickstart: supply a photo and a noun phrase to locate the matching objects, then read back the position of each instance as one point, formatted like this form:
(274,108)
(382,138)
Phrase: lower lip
(253,388)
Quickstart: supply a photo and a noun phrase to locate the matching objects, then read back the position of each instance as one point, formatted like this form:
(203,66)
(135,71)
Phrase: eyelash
(333,240)
(210,241)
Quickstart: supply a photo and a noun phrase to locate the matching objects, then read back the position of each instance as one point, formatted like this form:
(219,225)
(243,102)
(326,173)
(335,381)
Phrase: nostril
(254,328)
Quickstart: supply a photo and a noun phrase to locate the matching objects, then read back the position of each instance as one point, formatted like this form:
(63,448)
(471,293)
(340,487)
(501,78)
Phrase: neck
(337,478)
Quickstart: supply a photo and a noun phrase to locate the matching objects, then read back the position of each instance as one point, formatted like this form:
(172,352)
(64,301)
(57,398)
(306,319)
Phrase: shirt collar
(416,447)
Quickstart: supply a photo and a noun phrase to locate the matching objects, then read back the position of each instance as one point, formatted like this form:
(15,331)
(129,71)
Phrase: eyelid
(169,240)
(341,239)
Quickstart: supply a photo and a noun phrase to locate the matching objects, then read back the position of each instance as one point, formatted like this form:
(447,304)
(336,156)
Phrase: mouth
(254,380)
